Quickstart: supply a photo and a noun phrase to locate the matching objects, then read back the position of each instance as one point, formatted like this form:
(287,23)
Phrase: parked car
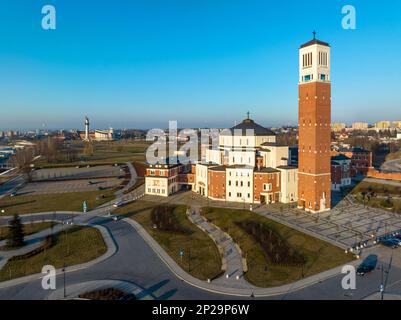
(368,265)
(389,243)
(364,269)
(395,240)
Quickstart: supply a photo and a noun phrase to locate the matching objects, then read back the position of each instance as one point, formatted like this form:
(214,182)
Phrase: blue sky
(202,62)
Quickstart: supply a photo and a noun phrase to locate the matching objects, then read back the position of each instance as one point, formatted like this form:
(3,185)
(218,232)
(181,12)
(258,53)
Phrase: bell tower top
(314,61)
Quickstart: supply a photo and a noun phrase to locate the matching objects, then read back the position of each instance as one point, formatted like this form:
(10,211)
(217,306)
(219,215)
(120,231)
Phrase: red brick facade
(262,179)
(361,161)
(217,184)
(314,146)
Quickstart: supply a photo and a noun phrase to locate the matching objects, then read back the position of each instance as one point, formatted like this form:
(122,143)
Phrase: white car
(118,204)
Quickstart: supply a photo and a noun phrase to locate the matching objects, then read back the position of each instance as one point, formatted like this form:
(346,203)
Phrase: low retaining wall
(373,173)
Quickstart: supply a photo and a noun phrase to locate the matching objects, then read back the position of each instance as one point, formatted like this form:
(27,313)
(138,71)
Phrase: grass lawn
(378,188)
(204,261)
(53,202)
(29,228)
(381,193)
(104,152)
(320,255)
(77,245)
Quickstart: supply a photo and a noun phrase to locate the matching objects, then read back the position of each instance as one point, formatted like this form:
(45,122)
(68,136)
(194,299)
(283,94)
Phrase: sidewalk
(233,264)
(220,288)
(111,249)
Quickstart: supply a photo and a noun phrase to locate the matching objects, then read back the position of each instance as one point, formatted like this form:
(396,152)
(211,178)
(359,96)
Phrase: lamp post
(65,291)
(382,285)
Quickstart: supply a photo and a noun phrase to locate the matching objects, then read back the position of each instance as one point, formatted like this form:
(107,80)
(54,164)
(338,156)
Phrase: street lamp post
(65,293)
(382,285)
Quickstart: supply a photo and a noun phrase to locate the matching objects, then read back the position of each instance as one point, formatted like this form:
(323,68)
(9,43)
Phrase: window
(307,78)
(323,77)
(229,182)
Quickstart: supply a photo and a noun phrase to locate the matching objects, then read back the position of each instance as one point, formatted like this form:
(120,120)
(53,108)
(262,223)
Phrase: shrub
(275,248)
(104,294)
(164,219)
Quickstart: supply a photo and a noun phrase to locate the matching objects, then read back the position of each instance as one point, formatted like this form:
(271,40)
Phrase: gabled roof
(315,41)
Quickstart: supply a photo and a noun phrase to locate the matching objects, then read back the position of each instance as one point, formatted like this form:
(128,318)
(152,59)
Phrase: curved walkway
(225,288)
(233,263)
(107,237)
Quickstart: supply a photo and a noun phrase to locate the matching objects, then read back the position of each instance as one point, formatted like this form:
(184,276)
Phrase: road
(392,165)
(134,262)
(10,185)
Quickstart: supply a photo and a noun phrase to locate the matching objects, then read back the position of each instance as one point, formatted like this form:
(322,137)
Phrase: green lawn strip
(204,262)
(382,195)
(29,228)
(105,152)
(71,201)
(92,161)
(74,246)
(377,188)
(319,255)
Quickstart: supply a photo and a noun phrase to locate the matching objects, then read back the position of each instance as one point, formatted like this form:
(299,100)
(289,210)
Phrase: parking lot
(73,173)
(73,179)
(36,188)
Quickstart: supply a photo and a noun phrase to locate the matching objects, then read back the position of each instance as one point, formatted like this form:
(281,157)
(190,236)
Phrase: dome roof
(249,124)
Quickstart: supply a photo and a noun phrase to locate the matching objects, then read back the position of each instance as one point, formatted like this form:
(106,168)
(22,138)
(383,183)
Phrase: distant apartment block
(337,127)
(360,126)
(383,125)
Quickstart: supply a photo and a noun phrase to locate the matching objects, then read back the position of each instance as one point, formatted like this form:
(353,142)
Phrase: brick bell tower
(314,126)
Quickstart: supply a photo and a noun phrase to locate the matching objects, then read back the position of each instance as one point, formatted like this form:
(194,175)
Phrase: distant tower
(314,126)
(86,128)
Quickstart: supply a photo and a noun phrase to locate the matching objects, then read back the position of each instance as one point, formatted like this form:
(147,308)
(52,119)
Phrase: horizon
(203,65)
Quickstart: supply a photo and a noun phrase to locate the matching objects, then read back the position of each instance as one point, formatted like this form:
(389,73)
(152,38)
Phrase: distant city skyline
(139,65)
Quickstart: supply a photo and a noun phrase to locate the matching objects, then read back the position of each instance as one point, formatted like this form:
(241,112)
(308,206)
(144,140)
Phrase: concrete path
(227,288)
(111,249)
(132,181)
(391,165)
(232,262)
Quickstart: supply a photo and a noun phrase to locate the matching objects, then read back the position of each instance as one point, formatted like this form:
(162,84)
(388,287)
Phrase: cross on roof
(314,34)
(247,115)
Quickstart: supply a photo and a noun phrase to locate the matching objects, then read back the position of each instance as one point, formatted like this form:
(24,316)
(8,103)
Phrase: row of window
(309,77)
(155,190)
(236,174)
(239,195)
(239,183)
(307,59)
